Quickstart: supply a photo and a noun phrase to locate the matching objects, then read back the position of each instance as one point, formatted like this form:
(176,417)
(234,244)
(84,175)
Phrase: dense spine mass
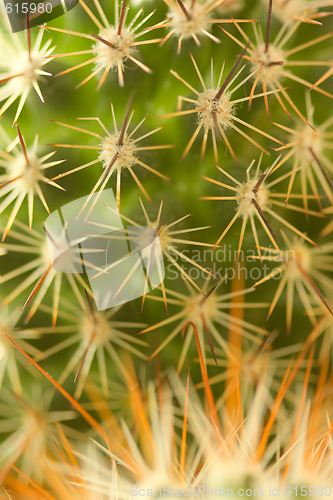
(219,373)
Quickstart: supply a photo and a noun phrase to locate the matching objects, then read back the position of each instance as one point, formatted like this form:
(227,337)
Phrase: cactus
(218,375)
